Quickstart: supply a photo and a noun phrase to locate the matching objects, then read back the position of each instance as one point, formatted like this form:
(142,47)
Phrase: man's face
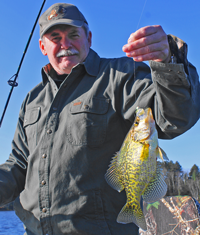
(55,43)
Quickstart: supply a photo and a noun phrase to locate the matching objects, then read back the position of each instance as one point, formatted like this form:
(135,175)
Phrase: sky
(111,23)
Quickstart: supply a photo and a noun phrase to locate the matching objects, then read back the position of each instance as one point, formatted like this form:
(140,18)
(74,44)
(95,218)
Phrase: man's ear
(90,38)
(42,47)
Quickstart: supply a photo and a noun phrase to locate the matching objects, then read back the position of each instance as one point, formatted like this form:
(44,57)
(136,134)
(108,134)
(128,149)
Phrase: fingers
(154,51)
(144,32)
(148,43)
(140,39)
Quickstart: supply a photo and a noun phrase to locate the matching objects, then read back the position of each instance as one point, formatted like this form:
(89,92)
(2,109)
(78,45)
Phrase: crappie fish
(135,169)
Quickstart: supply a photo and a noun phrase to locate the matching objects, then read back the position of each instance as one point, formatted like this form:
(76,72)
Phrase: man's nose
(65,43)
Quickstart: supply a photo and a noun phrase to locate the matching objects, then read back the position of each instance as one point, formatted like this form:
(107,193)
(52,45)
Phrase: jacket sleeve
(172,91)
(177,97)
(13,171)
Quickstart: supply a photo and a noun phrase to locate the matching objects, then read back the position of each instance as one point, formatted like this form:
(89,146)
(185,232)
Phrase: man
(72,124)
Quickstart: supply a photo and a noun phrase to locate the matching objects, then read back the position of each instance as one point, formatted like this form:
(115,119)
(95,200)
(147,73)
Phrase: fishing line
(13,80)
(136,30)
(141,15)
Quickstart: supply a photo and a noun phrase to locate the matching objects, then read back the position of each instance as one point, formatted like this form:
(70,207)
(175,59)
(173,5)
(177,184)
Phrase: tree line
(180,182)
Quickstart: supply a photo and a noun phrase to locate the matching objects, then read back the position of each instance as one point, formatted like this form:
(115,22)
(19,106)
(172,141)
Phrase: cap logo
(52,15)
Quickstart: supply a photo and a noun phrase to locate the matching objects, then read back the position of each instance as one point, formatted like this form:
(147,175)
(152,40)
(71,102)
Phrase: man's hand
(148,43)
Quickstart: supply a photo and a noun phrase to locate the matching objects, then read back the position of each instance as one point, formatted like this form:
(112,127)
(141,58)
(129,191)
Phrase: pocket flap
(31,116)
(94,105)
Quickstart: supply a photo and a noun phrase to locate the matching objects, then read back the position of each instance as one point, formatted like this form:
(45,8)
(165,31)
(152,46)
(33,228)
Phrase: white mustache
(68,52)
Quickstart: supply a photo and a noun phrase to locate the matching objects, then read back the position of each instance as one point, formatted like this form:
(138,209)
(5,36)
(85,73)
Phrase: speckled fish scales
(135,169)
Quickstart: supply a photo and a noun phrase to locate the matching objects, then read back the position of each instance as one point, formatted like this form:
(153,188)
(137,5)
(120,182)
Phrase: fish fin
(113,175)
(162,155)
(132,213)
(156,189)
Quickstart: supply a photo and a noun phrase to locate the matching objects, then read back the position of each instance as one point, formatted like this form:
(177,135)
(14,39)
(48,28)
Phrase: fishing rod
(13,82)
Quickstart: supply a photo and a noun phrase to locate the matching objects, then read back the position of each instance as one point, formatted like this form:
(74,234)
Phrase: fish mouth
(143,125)
(150,115)
(144,114)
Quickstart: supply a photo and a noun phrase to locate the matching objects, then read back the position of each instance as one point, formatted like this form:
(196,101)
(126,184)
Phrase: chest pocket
(31,125)
(88,122)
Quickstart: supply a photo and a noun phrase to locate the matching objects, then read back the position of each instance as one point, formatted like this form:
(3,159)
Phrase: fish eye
(136,123)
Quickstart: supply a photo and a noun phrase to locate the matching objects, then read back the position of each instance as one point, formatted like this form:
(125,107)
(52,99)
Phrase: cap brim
(75,23)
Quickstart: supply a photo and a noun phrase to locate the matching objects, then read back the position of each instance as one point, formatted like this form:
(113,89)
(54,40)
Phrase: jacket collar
(91,65)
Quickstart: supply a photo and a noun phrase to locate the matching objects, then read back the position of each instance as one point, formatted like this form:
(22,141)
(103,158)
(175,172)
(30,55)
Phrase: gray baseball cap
(61,13)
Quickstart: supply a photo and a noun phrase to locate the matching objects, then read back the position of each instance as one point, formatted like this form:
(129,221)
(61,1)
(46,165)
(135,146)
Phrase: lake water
(10,224)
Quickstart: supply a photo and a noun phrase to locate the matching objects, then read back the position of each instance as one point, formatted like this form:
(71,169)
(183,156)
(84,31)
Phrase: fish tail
(132,213)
